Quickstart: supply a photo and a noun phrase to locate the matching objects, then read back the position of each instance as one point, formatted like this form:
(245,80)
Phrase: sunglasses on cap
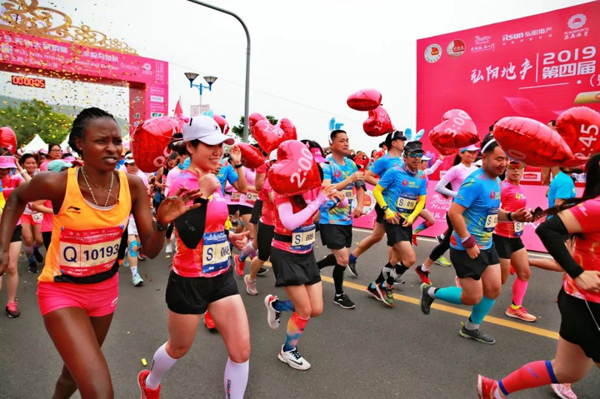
(513,166)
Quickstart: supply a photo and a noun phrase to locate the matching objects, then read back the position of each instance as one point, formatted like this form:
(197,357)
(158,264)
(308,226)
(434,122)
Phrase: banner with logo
(536,67)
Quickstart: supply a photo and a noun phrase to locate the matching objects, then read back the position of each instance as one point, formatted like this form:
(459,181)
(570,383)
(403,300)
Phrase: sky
(307,56)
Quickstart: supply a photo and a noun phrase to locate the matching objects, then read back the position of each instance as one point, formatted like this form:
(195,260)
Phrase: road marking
(457,311)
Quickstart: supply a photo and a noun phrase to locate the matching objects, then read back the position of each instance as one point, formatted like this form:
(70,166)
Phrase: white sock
(236,379)
(133,270)
(469,325)
(431,292)
(424,268)
(161,363)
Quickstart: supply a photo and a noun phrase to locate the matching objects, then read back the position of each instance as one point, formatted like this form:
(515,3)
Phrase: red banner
(536,67)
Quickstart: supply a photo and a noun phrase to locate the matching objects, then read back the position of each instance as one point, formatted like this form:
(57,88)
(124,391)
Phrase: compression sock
(448,294)
(248,250)
(283,306)
(480,311)
(422,227)
(236,379)
(161,363)
(519,289)
(338,278)
(329,260)
(295,328)
(398,271)
(384,274)
(531,375)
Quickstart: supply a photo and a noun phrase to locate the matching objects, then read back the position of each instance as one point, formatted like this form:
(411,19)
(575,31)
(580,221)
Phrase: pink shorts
(97,300)
(28,219)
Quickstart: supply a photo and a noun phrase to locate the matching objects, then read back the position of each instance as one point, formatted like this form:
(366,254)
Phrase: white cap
(472,147)
(129,159)
(205,129)
(425,158)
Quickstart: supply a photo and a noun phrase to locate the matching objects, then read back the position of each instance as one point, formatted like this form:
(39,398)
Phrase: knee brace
(133,248)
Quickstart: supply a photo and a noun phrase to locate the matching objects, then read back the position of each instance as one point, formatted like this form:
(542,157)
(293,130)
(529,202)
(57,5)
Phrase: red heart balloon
(579,127)
(364,100)
(456,131)
(378,123)
(295,171)
(268,136)
(251,156)
(8,139)
(254,118)
(534,143)
(150,140)
(222,122)
(288,128)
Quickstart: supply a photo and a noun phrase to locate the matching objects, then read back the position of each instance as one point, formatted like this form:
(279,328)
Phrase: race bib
(215,252)
(349,194)
(491,221)
(236,196)
(405,204)
(37,217)
(518,229)
(303,238)
(88,252)
(251,197)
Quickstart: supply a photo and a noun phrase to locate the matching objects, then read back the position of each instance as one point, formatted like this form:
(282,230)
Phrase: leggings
(445,244)
(170,230)
(47,236)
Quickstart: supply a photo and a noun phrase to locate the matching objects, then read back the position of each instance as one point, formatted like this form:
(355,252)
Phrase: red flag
(179,116)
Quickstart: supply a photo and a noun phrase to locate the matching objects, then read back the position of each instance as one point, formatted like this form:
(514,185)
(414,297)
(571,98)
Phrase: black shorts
(474,268)
(506,246)
(192,295)
(17,234)
(242,209)
(380,214)
(256,212)
(577,325)
(265,238)
(397,233)
(294,269)
(335,236)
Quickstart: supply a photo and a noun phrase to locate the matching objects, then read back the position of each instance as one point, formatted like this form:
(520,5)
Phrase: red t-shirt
(211,257)
(303,237)
(512,198)
(587,246)
(268,209)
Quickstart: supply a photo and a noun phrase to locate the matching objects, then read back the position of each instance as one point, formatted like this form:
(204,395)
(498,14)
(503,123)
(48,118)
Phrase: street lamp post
(247,88)
(209,79)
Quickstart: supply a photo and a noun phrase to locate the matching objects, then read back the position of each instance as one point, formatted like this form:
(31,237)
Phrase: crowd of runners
(95,210)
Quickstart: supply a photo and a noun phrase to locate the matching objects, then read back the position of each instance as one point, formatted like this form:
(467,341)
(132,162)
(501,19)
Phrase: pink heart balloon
(251,156)
(456,131)
(378,123)
(364,100)
(295,171)
(288,128)
(579,127)
(268,136)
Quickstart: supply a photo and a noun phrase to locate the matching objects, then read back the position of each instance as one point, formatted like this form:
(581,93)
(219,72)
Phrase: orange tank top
(85,238)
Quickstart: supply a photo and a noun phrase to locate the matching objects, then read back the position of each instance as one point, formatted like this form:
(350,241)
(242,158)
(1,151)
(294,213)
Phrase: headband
(488,144)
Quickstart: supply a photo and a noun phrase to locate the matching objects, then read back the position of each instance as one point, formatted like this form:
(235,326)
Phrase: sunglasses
(416,154)
(514,166)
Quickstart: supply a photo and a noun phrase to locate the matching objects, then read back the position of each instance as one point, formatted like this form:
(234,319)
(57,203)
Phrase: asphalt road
(372,351)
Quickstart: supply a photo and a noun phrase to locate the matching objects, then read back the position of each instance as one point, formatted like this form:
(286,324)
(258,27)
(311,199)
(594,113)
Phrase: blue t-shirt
(402,189)
(226,174)
(480,195)
(331,214)
(561,187)
(385,163)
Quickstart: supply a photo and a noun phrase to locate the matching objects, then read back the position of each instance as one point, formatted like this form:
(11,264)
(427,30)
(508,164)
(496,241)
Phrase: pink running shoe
(486,387)
(239,266)
(520,313)
(12,311)
(564,391)
(147,393)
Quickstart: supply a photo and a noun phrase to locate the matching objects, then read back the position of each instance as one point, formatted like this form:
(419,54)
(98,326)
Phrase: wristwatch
(385,208)
(237,166)
(158,226)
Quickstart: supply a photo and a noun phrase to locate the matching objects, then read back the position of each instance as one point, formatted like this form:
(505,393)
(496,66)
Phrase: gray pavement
(372,351)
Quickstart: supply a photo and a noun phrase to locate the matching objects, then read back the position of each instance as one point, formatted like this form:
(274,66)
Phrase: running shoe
(520,313)
(414,240)
(239,265)
(563,391)
(294,359)
(169,249)
(208,321)
(477,336)
(273,316)
(38,256)
(137,280)
(343,301)
(442,261)
(352,268)
(426,300)
(126,260)
(250,285)
(423,274)
(141,256)
(12,311)
(386,294)
(33,269)
(486,387)
(373,292)
(262,271)
(439,238)
(147,393)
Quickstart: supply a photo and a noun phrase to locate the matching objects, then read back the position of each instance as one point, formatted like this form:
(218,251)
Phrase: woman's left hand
(174,206)
(239,240)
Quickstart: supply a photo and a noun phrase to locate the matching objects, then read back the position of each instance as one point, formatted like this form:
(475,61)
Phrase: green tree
(238,130)
(35,117)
